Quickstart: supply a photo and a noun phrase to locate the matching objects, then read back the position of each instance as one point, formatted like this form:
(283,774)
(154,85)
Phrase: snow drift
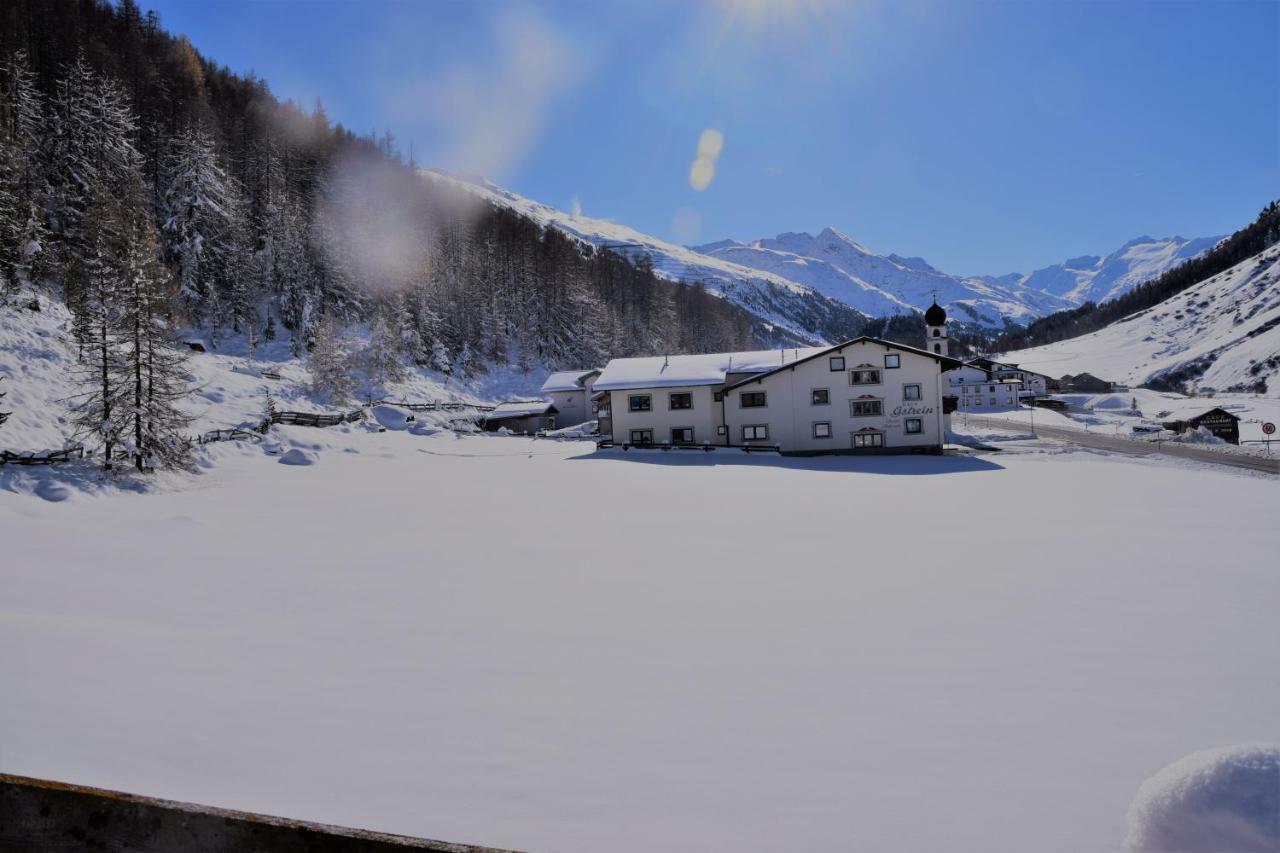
(1224,799)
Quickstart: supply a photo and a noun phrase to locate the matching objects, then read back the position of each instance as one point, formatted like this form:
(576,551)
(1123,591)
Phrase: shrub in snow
(1214,800)
(298,456)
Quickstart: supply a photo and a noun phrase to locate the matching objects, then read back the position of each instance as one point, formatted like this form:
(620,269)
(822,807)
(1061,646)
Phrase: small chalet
(1085,383)
(525,417)
(571,393)
(1217,421)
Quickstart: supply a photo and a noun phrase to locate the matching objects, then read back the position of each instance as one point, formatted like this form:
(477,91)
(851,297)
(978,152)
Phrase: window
(977,401)
(892,360)
(755,432)
(1008,401)
(865,408)
(911,392)
(914,426)
(642,436)
(836,362)
(993,401)
(717,396)
(868,439)
(681,401)
(991,389)
(640,403)
(937,333)
(722,430)
(682,435)
(821,397)
(864,377)
(937,348)
(822,429)
(752,399)
(595,407)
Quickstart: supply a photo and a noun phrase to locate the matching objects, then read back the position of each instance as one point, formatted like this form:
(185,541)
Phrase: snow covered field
(525,643)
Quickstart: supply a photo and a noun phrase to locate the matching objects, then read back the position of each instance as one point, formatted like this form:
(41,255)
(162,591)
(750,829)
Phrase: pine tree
(331,362)
(22,232)
(99,412)
(383,358)
(153,370)
(4,416)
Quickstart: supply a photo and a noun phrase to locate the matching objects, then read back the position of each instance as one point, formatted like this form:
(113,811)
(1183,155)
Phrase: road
(1136,447)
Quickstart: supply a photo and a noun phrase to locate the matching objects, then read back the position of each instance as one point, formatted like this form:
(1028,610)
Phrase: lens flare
(710,143)
(702,173)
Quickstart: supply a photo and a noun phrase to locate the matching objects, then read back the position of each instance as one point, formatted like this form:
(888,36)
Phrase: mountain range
(807,287)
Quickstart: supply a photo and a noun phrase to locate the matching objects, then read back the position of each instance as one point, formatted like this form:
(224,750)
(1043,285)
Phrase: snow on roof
(566,380)
(520,409)
(660,371)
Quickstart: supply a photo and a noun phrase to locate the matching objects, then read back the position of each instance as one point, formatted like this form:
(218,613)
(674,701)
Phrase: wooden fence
(435,406)
(48,457)
(227,435)
(313,419)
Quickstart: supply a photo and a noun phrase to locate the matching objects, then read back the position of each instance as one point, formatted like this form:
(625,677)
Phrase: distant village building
(865,395)
(1033,384)
(1084,383)
(525,417)
(1218,421)
(571,392)
(979,385)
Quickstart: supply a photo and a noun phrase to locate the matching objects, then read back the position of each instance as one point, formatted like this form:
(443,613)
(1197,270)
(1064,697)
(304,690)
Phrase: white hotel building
(865,395)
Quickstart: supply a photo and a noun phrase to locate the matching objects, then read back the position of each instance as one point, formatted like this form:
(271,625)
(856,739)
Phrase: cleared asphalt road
(1136,447)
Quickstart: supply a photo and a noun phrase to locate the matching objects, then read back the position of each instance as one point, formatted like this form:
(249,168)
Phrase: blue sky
(984,136)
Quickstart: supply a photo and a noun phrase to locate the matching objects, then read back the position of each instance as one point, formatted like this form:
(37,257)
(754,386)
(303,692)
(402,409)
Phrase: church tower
(935,329)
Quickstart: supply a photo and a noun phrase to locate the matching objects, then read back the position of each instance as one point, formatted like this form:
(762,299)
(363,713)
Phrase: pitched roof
(521,409)
(567,380)
(660,371)
(944,362)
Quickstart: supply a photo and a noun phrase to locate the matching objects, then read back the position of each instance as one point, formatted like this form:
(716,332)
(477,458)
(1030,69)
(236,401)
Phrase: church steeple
(935,328)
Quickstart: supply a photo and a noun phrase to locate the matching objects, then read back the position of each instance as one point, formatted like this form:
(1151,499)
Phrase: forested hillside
(270,222)
(1249,241)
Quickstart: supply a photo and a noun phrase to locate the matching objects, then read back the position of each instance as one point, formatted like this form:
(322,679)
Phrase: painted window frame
(813,396)
(897,361)
(919,424)
(830,433)
(642,440)
(919,392)
(763,395)
(875,371)
(876,414)
(671,401)
(692,439)
(831,363)
(755,428)
(631,403)
(877,435)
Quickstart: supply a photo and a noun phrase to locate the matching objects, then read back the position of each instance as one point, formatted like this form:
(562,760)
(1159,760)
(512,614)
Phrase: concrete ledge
(40,815)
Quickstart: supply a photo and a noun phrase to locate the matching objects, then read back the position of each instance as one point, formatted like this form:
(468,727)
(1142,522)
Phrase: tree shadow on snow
(907,464)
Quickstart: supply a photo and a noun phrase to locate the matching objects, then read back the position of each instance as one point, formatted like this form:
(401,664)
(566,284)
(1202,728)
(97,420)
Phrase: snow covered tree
(22,232)
(383,357)
(330,361)
(200,202)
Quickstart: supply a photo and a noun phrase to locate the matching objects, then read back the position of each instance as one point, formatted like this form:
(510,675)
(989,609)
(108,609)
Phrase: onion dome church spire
(935,328)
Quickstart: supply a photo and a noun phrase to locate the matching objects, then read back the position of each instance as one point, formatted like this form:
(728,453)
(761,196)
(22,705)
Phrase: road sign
(1268,428)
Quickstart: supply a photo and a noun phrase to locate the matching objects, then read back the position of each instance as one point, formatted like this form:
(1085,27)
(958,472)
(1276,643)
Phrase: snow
(727,651)
(662,371)
(1213,800)
(298,456)
(1079,280)
(775,299)
(519,409)
(1231,321)
(566,380)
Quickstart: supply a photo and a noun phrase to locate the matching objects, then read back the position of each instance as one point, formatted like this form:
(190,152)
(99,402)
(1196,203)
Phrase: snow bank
(298,456)
(1214,800)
